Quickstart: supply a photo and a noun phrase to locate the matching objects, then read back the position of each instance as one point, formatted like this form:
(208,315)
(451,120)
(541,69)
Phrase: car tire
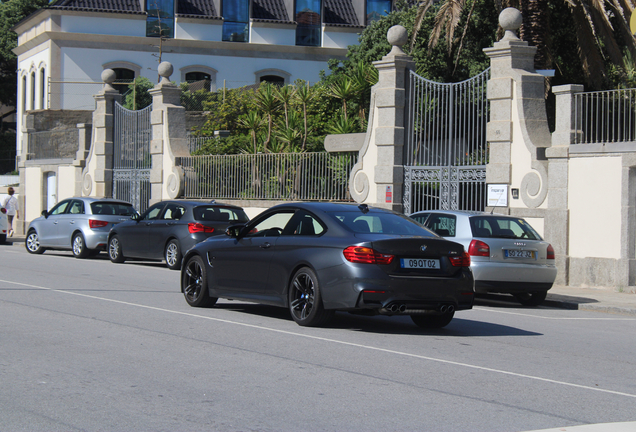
(305,300)
(531,298)
(433,320)
(79,246)
(114,250)
(172,255)
(194,283)
(32,243)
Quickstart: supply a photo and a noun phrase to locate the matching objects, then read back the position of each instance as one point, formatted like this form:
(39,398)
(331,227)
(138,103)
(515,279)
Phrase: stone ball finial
(397,36)
(165,69)
(108,76)
(510,20)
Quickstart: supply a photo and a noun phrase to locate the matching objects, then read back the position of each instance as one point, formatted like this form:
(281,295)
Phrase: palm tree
(253,122)
(344,88)
(267,102)
(303,95)
(285,95)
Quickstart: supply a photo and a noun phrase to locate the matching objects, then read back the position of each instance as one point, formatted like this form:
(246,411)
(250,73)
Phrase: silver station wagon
(506,253)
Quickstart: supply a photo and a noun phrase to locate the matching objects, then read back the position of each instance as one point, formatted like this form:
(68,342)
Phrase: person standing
(10,203)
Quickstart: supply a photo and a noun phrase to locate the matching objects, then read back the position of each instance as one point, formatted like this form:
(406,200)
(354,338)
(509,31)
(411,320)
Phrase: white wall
(272,36)
(594,199)
(210,31)
(104,25)
(32,193)
(337,39)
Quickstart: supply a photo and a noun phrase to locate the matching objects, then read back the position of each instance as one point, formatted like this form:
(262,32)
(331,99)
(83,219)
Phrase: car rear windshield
(219,214)
(380,223)
(502,227)
(107,208)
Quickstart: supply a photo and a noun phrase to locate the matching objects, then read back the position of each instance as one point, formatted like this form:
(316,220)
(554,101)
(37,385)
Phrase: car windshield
(380,223)
(502,227)
(109,208)
(219,214)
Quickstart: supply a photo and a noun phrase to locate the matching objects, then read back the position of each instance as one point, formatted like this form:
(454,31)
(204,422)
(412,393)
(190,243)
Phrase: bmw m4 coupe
(318,258)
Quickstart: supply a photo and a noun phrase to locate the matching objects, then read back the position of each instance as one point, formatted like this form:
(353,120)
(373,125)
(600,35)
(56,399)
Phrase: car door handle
(266,245)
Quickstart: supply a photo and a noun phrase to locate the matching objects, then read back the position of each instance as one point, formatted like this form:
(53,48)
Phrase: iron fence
(55,144)
(605,117)
(316,176)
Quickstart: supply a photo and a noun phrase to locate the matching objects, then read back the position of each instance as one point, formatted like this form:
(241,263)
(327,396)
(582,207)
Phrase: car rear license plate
(419,263)
(511,253)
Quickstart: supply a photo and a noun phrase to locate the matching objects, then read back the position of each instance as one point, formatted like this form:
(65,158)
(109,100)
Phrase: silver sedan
(507,255)
(77,224)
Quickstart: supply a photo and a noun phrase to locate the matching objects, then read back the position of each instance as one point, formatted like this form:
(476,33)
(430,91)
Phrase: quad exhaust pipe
(396,308)
(446,308)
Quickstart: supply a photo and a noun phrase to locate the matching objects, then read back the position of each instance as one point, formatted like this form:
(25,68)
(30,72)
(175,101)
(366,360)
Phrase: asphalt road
(90,345)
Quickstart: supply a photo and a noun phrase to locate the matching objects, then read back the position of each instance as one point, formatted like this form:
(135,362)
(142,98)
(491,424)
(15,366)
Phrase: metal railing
(280,176)
(55,144)
(605,117)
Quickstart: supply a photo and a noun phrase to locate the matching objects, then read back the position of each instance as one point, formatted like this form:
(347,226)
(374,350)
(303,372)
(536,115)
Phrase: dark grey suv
(169,228)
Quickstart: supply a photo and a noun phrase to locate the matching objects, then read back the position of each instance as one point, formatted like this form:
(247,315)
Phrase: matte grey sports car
(318,258)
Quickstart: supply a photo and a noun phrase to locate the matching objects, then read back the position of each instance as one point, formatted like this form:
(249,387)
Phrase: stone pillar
(518,130)
(378,176)
(169,138)
(100,159)
(557,215)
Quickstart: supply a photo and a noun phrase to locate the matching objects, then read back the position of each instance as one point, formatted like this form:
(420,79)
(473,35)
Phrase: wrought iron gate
(131,156)
(446,152)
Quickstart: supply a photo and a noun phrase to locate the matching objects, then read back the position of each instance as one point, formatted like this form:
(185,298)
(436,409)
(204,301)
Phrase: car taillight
(197,227)
(365,255)
(478,248)
(94,223)
(550,252)
(460,261)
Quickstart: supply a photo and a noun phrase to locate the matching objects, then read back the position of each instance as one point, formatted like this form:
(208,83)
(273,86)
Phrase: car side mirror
(234,231)
(135,217)
(45,214)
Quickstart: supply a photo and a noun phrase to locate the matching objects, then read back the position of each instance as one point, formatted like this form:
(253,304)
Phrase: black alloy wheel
(194,283)
(433,320)
(114,250)
(531,298)
(32,243)
(79,246)
(172,255)
(305,301)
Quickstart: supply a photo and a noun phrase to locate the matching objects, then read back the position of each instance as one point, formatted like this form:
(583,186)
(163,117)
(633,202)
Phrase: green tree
(138,96)
(11,13)
(267,102)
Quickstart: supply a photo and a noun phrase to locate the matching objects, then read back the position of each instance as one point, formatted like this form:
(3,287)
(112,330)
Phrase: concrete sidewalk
(594,299)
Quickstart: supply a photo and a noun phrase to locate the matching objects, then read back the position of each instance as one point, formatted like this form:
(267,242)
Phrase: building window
(308,19)
(236,16)
(160,20)
(376,9)
(198,81)
(32,90)
(123,78)
(42,88)
(24,93)
(273,79)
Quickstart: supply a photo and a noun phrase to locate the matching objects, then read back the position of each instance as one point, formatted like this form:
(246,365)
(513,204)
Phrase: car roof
(468,213)
(333,207)
(195,203)
(98,199)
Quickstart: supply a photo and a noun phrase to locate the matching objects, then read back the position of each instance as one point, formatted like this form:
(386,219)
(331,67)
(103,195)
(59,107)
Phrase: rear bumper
(96,240)
(512,277)
(391,295)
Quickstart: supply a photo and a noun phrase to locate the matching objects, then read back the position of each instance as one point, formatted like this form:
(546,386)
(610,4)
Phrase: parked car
(169,228)
(506,253)
(77,224)
(317,258)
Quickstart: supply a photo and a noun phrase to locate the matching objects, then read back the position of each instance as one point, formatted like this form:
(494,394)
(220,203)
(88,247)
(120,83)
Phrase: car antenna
(364,208)
(500,194)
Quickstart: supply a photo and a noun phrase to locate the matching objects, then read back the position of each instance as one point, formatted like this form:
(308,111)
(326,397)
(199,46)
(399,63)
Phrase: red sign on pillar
(389,194)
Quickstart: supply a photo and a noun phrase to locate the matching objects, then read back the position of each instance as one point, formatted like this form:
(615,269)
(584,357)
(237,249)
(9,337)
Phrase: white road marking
(552,318)
(323,339)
